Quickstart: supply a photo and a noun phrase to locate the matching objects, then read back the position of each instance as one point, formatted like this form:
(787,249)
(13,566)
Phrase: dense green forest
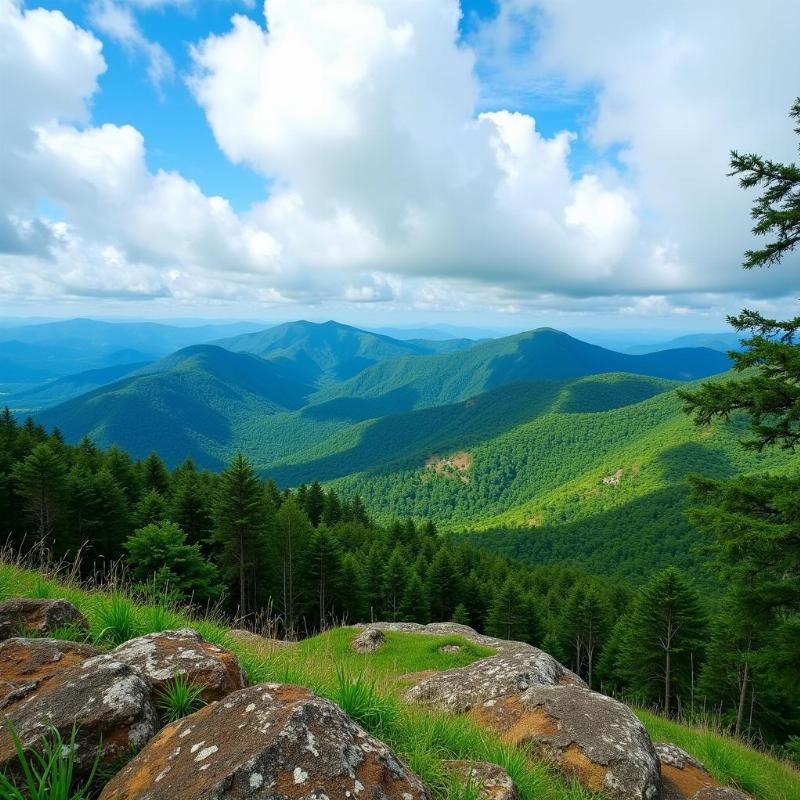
(297,561)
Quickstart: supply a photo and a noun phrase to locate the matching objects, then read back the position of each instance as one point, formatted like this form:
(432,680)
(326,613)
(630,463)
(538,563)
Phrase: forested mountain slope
(603,488)
(405,384)
(328,352)
(198,402)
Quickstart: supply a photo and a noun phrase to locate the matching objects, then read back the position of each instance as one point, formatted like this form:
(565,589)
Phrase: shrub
(179,698)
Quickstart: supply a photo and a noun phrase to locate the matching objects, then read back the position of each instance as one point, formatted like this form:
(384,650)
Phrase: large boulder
(109,701)
(591,737)
(460,689)
(488,781)
(23,616)
(27,663)
(368,641)
(720,793)
(682,775)
(454,629)
(268,741)
(162,656)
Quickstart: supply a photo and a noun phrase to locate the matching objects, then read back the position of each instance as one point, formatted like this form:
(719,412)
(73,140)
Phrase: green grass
(179,698)
(369,687)
(47,772)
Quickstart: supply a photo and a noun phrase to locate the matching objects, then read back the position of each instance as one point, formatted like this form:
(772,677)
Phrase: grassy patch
(369,687)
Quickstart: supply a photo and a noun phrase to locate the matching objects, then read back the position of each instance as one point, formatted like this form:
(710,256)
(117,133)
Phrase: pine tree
(353,602)
(154,474)
(415,606)
(664,641)
(395,576)
(40,479)
(507,618)
(161,554)
(461,615)
(314,503)
(324,576)
(190,508)
(151,509)
(585,625)
(239,525)
(292,533)
(332,512)
(443,586)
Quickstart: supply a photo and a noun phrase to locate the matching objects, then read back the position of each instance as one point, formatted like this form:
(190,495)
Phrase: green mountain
(404,384)
(565,480)
(202,402)
(62,389)
(327,352)
(725,341)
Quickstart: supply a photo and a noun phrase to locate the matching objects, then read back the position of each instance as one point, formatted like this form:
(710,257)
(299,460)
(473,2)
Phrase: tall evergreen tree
(584,626)
(239,526)
(40,479)
(508,617)
(415,606)
(664,640)
(292,533)
(395,577)
(154,474)
(324,572)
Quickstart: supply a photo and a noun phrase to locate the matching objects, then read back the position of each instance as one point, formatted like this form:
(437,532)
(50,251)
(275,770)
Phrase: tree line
(311,558)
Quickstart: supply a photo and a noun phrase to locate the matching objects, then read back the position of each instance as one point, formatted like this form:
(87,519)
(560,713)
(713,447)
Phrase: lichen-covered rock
(455,629)
(450,648)
(682,775)
(460,689)
(162,656)
(25,664)
(720,793)
(109,701)
(368,641)
(489,781)
(23,615)
(594,738)
(267,741)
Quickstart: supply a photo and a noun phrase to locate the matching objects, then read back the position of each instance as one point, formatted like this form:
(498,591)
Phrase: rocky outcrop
(682,775)
(448,649)
(25,616)
(25,664)
(454,629)
(512,673)
(268,741)
(488,781)
(109,701)
(594,738)
(720,793)
(160,657)
(368,641)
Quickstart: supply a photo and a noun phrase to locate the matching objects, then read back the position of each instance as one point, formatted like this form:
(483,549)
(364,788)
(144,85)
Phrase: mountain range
(540,444)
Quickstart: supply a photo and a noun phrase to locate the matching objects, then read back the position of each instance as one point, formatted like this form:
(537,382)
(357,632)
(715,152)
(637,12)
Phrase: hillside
(62,389)
(596,488)
(372,689)
(329,352)
(405,384)
(196,403)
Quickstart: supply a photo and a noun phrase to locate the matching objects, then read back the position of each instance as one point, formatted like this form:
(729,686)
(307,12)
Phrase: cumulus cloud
(389,181)
(119,23)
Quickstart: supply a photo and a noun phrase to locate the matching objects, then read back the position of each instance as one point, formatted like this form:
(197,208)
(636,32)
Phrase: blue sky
(524,160)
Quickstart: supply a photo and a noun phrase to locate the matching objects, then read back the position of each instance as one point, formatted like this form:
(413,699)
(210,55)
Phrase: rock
(449,648)
(162,656)
(368,641)
(268,741)
(458,690)
(720,793)
(454,629)
(23,616)
(490,781)
(589,736)
(263,644)
(27,663)
(682,775)
(109,701)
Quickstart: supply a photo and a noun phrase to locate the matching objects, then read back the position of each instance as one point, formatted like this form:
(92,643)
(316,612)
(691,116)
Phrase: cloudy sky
(390,161)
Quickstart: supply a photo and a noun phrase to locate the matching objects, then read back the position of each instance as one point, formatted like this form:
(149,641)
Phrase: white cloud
(387,184)
(119,23)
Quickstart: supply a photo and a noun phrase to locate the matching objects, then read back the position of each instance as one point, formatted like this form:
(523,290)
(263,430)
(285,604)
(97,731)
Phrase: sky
(505,163)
